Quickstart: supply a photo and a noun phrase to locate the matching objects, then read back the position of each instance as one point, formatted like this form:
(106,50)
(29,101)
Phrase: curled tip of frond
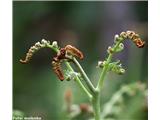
(36,47)
(139,43)
(134,37)
(23,61)
(68,52)
(57,69)
(29,54)
(74,51)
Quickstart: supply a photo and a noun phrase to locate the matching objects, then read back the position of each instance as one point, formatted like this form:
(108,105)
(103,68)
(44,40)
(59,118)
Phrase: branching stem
(79,81)
(96,97)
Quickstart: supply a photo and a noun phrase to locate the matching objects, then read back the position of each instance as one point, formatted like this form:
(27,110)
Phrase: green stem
(96,105)
(79,81)
(105,68)
(87,80)
(96,97)
(53,48)
(95,92)
(103,74)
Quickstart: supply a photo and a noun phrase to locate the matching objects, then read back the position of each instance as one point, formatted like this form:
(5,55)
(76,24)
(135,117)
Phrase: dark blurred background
(90,26)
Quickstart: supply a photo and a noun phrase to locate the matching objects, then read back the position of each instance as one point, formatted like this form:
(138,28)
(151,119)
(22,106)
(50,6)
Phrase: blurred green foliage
(17,114)
(91,27)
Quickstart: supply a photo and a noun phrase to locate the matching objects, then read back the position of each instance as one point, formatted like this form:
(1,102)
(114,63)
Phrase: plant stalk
(95,92)
(105,68)
(87,80)
(96,105)
(79,81)
(103,74)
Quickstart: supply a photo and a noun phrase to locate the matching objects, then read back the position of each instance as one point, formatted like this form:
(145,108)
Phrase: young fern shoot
(68,55)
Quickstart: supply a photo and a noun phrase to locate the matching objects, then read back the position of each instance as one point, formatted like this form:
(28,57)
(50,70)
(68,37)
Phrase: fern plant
(68,55)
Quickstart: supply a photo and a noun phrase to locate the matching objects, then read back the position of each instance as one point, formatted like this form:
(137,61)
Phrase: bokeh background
(91,27)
